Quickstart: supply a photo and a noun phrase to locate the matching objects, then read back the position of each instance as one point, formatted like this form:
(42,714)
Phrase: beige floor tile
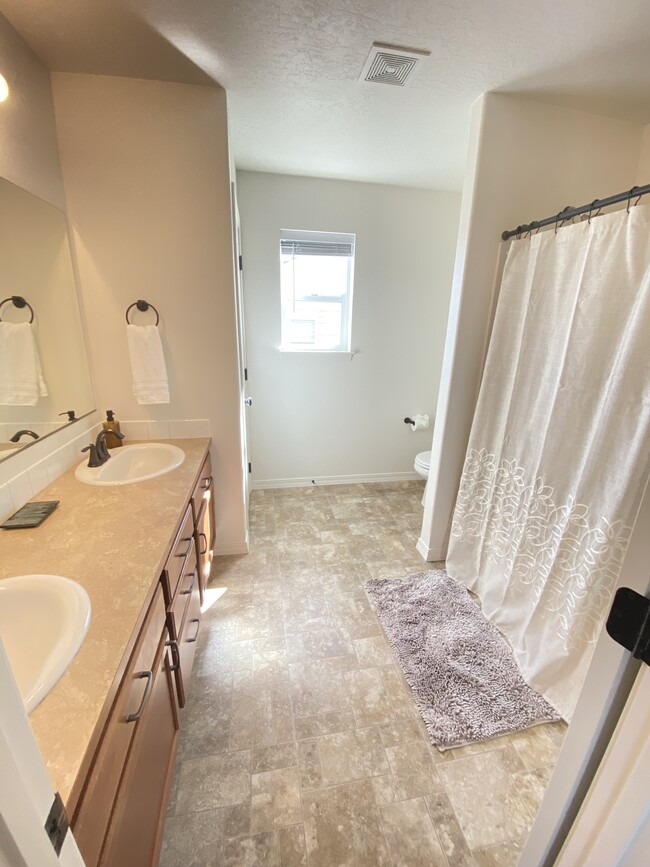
(224,656)
(486,803)
(327,643)
(275,799)
(274,758)
(311,772)
(324,724)
(399,693)
(370,702)
(261,849)
(351,756)
(317,686)
(293,852)
(213,781)
(205,728)
(193,841)
(373,651)
(385,789)
(402,732)
(237,820)
(412,841)
(450,835)
(252,717)
(501,855)
(342,827)
(531,786)
(535,747)
(413,770)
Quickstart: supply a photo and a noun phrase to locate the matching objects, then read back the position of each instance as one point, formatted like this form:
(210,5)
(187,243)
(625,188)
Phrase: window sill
(349,353)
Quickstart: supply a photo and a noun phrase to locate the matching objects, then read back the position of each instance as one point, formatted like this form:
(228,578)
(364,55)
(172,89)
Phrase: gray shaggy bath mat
(463,675)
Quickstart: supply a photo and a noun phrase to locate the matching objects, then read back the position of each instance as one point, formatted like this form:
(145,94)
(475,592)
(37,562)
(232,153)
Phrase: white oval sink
(43,621)
(131,464)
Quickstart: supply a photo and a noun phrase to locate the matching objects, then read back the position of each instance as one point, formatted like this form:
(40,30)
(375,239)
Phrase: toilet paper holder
(408,420)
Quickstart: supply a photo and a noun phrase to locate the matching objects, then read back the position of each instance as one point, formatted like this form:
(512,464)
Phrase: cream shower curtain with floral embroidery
(559,452)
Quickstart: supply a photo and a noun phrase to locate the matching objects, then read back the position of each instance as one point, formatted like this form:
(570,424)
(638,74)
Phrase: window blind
(315,248)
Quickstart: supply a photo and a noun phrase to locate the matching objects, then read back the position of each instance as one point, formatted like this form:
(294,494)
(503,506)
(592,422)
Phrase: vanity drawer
(183,545)
(93,814)
(203,488)
(187,641)
(186,587)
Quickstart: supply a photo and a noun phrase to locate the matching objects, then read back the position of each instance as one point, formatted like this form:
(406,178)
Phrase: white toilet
(421,465)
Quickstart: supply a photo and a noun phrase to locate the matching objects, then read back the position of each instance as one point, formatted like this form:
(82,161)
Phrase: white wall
(146,171)
(324,416)
(526,160)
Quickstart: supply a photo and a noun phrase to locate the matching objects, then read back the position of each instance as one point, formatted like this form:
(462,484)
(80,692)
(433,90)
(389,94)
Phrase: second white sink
(43,620)
(131,464)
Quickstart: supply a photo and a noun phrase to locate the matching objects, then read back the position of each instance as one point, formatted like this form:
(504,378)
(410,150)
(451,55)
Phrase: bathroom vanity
(109,728)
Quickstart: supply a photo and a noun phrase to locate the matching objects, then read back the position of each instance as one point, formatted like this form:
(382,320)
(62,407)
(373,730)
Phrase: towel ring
(18,301)
(142,306)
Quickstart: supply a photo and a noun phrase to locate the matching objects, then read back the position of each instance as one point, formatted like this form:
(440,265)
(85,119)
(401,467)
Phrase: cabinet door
(187,639)
(205,542)
(135,831)
(92,817)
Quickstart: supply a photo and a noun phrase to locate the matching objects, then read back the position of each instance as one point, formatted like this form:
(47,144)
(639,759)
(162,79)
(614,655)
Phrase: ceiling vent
(391,64)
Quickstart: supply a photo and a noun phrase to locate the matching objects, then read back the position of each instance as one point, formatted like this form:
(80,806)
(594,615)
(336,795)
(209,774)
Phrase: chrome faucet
(99,453)
(17,436)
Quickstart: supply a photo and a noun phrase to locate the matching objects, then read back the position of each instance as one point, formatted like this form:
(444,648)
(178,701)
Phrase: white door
(246,401)
(605,692)
(26,792)
(613,825)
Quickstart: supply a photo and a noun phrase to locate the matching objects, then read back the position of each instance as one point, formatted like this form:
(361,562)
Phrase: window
(316,271)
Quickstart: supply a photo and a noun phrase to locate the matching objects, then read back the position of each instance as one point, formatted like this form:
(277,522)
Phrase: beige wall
(527,160)
(146,171)
(643,174)
(28,148)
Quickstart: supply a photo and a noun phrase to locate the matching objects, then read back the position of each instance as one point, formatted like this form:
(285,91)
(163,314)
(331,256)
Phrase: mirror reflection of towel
(147,364)
(21,377)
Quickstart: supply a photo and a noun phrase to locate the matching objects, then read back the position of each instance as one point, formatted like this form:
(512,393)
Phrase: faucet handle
(94,459)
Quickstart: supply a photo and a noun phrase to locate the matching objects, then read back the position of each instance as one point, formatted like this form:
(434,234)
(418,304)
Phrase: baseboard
(267,484)
(431,555)
(231,548)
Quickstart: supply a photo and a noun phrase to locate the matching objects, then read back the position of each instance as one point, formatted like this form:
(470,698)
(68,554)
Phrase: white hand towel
(21,377)
(147,364)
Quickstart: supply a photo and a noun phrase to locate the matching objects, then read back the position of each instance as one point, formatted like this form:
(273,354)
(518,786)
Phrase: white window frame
(325,238)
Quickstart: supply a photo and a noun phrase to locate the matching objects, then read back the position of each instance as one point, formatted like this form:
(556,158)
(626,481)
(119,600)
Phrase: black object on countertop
(30,515)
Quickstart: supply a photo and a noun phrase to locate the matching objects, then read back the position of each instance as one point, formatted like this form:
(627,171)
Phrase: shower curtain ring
(629,198)
(591,208)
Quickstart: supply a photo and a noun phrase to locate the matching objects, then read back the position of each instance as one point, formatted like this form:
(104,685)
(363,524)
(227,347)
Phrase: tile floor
(301,746)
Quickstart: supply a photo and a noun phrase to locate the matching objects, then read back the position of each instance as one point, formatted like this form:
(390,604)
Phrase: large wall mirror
(43,366)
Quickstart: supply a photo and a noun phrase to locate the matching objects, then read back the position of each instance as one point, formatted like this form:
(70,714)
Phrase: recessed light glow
(4,88)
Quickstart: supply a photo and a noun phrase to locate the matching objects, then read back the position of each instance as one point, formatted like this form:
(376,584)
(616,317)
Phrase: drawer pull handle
(196,634)
(191,587)
(188,539)
(206,482)
(176,655)
(134,717)
(205,539)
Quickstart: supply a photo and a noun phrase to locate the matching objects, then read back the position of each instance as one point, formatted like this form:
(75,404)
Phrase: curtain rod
(568,213)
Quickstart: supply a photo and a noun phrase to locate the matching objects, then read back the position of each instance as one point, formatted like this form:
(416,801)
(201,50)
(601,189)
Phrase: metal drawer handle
(206,482)
(196,634)
(189,539)
(191,587)
(134,717)
(205,550)
(176,654)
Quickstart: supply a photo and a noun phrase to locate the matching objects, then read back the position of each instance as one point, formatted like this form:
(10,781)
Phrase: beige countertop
(113,541)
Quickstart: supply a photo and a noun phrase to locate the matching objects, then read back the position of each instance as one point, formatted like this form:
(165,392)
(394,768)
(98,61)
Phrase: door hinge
(629,622)
(57,824)
(250,467)
(245,374)
(241,262)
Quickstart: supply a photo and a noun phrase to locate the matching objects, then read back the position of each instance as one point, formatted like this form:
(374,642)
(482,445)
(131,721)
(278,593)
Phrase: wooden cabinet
(119,817)
(125,738)
(204,524)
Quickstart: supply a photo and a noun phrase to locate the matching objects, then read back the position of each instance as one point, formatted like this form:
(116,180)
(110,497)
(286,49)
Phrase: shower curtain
(559,451)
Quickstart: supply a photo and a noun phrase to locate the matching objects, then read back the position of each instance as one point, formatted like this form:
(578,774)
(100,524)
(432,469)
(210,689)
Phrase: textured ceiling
(291,69)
